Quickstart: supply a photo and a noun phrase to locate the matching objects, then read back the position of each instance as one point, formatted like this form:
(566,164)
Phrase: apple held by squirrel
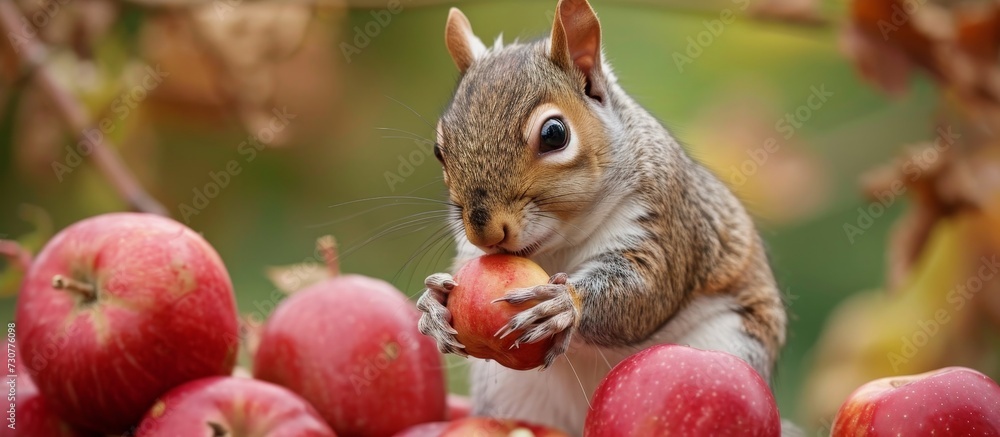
(545,156)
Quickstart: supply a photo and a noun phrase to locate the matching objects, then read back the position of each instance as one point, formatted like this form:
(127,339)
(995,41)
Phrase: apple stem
(327,245)
(60,282)
(218,430)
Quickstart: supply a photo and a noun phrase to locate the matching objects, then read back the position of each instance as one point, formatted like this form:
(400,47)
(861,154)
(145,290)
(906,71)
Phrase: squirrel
(545,156)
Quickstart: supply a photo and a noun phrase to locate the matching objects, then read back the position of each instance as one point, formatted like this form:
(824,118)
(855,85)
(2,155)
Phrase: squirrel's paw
(436,319)
(556,315)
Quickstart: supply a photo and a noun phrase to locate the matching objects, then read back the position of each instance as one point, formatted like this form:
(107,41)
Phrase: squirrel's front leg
(615,299)
(435,320)
(555,315)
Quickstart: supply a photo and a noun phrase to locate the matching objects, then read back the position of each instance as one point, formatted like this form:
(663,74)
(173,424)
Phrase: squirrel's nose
(491,236)
(488,233)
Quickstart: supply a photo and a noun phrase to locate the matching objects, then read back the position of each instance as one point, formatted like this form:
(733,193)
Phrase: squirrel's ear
(463,45)
(576,43)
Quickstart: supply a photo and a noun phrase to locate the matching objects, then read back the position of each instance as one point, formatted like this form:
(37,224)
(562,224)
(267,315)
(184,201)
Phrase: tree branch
(31,54)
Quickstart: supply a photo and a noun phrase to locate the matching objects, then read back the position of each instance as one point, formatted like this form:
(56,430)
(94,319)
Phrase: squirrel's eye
(437,153)
(554,135)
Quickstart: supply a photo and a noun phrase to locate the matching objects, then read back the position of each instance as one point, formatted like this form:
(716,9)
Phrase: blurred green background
(328,174)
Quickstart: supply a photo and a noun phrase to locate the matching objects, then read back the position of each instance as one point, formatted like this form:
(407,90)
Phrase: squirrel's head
(521,143)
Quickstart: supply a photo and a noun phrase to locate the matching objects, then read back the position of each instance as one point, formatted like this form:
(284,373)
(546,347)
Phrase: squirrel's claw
(556,287)
(554,325)
(556,315)
(442,282)
(559,279)
(562,340)
(435,321)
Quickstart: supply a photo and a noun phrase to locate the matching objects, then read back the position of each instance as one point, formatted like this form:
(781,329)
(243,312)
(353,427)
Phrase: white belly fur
(559,396)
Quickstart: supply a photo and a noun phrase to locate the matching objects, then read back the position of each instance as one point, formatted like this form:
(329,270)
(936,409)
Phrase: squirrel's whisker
(421,117)
(390,228)
(369,210)
(409,135)
(370,199)
(440,235)
(550,228)
(582,388)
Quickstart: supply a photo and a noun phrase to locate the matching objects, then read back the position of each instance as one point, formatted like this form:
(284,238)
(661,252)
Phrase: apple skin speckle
(678,390)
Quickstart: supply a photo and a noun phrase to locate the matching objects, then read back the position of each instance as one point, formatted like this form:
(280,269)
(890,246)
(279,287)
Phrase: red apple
(677,390)
(31,417)
(459,407)
(226,406)
(430,429)
(492,427)
(481,427)
(477,318)
(948,401)
(119,308)
(350,346)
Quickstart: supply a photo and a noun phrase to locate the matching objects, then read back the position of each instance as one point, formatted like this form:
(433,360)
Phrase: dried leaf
(978,31)
(957,43)
(205,88)
(249,40)
(241,372)
(882,64)
(250,333)
(197,83)
(934,22)
(937,178)
(76,25)
(292,278)
(255,32)
(893,22)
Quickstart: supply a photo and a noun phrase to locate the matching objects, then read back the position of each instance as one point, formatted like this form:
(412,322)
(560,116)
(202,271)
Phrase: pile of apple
(127,325)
